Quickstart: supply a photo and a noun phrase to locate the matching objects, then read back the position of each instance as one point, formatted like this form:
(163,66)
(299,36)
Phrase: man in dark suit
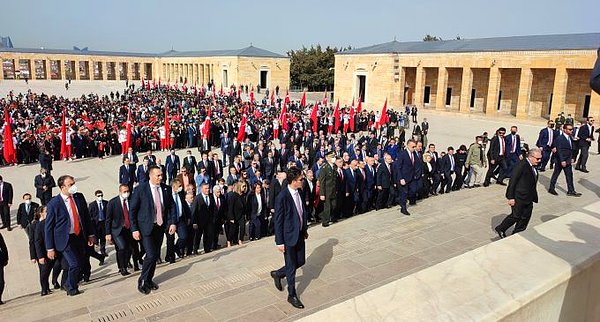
(497,158)
(142,171)
(585,136)
(290,232)
(436,168)
(131,157)
(545,142)
(203,211)
(172,166)
(44,183)
(448,168)
(368,193)
(383,182)
(406,176)
(217,168)
(189,162)
(127,174)
(152,208)
(352,181)
(6,200)
(3,262)
(513,150)
(97,211)
(564,158)
(521,193)
(269,165)
(183,215)
(26,211)
(68,227)
(118,230)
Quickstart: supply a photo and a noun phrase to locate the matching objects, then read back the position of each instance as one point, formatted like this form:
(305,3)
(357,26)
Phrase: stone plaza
(353,258)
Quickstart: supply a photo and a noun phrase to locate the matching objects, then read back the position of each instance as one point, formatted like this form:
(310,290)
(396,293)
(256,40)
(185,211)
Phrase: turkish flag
(272,98)
(63,137)
(206,128)
(383,119)
(351,119)
(359,107)
(287,97)
(283,118)
(128,131)
(167,127)
(336,116)
(9,148)
(313,117)
(303,101)
(242,130)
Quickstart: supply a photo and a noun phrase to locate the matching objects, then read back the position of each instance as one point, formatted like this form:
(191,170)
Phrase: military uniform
(327,183)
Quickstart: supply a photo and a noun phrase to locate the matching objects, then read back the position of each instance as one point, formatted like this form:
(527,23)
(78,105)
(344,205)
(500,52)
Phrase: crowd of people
(353,161)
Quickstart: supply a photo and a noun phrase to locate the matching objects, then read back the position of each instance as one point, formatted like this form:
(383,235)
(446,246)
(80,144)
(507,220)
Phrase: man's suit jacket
(494,150)
(288,229)
(24,218)
(405,168)
(58,222)
(3,252)
(508,143)
(522,185)
(544,138)
(134,159)
(40,182)
(369,177)
(172,165)
(186,212)
(95,211)
(202,213)
(447,167)
(584,133)
(126,174)
(7,192)
(252,204)
(142,176)
(564,149)
(383,176)
(115,217)
(189,162)
(39,236)
(143,211)
(214,167)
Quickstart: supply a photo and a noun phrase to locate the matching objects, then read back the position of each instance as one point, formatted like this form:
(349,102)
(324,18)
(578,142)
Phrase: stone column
(465,90)
(47,69)
(491,107)
(63,72)
(104,65)
(130,71)
(419,87)
(402,82)
(524,93)
(559,91)
(440,103)
(76,69)
(32,74)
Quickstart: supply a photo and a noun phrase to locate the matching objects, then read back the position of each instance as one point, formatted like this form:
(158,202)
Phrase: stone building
(525,76)
(250,66)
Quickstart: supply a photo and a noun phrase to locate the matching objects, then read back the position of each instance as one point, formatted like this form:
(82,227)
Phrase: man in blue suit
(152,208)
(127,174)
(406,178)
(545,142)
(564,158)
(142,171)
(290,232)
(513,149)
(172,166)
(68,227)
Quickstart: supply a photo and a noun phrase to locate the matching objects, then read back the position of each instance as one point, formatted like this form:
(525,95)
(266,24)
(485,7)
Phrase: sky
(154,26)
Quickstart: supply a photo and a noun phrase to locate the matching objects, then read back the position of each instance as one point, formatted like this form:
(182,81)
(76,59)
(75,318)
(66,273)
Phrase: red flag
(153,83)
(359,107)
(283,117)
(336,116)
(221,91)
(9,148)
(272,98)
(206,128)
(63,136)
(167,127)
(159,82)
(287,97)
(351,120)
(325,99)
(242,130)
(383,119)
(303,101)
(128,131)
(313,117)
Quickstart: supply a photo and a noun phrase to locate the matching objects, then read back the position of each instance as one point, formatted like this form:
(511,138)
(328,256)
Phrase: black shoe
(9,228)
(501,234)
(86,278)
(578,168)
(405,212)
(136,268)
(277,280)
(501,183)
(124,272)
(295,302)
(325,224)
(44,293)
(2,227)
(101,261)
(74,293)
(485,184)
(129,265)
(553,192)
(1,302)
(574,194)
(584,170)
(144,289)
(56,286)
(153,286)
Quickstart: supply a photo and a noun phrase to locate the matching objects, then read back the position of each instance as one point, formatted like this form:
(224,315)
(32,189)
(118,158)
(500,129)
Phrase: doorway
(225,78)
(362,86)
(586,105)
(264,78)
(426,95)
(448,96)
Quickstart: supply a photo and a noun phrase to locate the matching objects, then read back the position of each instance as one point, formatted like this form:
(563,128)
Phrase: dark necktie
(126,214)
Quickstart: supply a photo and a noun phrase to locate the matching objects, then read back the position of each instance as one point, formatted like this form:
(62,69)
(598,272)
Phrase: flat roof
(514,43)
(249,51)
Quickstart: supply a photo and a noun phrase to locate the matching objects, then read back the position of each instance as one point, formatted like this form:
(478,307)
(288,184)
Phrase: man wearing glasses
(585,136)
(564,158)
(521,193)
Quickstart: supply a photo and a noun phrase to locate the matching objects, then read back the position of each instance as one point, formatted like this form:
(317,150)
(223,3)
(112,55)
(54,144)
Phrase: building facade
(526,77)
(250,66)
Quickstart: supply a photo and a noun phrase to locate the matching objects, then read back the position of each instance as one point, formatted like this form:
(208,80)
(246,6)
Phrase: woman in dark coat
(236,223)
(257,208)
(37,248)
(427,176)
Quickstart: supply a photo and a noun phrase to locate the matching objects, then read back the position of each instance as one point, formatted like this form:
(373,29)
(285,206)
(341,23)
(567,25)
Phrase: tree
(313,67)
(429,37)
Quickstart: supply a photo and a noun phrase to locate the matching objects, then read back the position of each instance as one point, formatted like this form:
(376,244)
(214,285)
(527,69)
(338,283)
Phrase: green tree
(313,67)
(429,37)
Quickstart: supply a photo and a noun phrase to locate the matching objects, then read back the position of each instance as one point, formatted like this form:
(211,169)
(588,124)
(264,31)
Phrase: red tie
(126,215)
(76,227)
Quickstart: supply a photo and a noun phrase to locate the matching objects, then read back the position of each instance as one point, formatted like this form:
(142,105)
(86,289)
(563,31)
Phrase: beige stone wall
(513,73)
(278,72)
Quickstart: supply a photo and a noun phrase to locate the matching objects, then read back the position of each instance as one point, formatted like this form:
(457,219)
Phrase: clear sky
(157,26)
